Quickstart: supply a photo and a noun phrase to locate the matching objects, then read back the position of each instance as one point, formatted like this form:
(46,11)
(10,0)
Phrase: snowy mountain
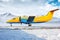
(6,14)
(4,17)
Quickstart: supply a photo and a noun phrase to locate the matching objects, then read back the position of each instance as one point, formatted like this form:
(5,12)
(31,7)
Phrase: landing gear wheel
(29,25)
(11,24)
(21,23)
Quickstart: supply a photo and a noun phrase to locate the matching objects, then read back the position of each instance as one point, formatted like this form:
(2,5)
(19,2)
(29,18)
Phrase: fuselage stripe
(30,19)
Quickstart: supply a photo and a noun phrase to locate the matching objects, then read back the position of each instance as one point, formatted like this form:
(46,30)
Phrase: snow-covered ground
(37,34)
(48,34)
(7,34)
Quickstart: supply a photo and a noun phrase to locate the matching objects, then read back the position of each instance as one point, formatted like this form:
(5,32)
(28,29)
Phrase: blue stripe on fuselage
(29,20)
(23,20)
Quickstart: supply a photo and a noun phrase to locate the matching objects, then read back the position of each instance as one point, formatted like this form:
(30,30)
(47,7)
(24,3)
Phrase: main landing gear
(29,24)
(11,24)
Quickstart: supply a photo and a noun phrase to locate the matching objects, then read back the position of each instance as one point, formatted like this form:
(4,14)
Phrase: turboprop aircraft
(33,19)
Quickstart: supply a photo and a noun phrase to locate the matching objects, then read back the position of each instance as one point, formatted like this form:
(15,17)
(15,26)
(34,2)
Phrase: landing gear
(29,25)
(21,23)
(11,24)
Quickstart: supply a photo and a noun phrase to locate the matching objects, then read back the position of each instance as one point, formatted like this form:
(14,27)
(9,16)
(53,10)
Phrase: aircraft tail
(54,10)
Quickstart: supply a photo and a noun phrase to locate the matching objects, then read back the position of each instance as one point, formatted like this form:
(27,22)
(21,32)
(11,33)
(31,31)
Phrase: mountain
(4,17)
(7,14)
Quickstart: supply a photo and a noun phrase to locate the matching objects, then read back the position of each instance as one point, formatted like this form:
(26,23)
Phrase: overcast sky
(29,7)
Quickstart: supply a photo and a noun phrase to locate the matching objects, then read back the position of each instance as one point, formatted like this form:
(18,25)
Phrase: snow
(48,34)
(17,35)
(37,34)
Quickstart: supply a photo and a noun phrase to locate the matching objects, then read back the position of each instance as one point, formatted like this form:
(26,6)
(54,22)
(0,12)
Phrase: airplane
(32,19)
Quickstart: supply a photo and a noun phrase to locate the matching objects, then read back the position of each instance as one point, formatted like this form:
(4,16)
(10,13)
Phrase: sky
(29,7)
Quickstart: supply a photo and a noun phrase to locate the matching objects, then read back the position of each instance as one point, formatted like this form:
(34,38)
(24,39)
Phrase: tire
(29,25)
